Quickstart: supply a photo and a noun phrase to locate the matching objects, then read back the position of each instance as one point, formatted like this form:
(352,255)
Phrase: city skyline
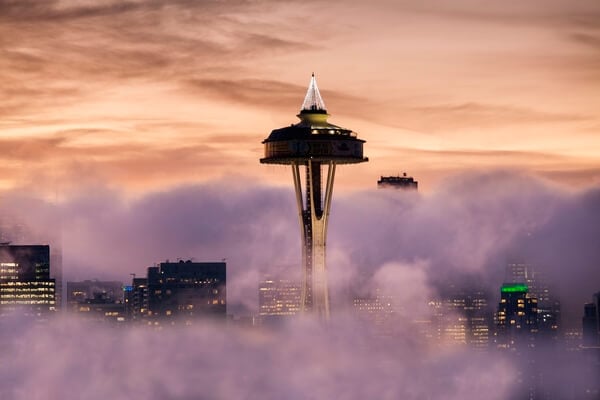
(411,236)
(459,326)
(131,133)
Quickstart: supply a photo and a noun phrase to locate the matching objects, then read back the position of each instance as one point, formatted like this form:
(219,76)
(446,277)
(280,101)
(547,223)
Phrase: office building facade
(185,291)
(517,317)
(25,284)
(82,291)
(135,297)
(278,298)
(462,317)
(548,306)
(98,301)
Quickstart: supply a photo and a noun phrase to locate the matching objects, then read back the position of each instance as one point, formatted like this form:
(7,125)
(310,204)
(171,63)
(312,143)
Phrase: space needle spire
(313,100)
(317,147)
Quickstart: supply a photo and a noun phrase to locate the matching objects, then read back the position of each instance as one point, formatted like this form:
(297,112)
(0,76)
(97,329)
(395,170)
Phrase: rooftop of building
(514,288)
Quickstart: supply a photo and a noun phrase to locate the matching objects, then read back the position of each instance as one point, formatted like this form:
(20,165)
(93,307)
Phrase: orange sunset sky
(145,95)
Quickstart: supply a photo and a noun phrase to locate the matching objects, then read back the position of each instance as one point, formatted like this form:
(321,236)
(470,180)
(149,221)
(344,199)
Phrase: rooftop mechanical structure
(318,147)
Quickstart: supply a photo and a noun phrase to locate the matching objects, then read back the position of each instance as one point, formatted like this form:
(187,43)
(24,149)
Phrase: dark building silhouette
(548,306)
(516,331)
(590,349)
(398,182)
(98,301)
(25,283)
(81,291)
(15,230)
(136,300)
(591,323)
(517,321)
(101,308)
(184,291)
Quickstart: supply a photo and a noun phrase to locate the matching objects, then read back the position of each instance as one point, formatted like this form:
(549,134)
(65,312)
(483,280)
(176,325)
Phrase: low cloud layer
(68,360)
(403,243)
(466,230)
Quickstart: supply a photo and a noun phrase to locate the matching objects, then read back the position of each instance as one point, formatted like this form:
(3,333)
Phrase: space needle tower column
(318,147)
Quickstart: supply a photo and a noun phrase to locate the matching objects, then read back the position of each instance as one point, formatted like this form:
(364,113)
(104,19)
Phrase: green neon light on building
(514,288)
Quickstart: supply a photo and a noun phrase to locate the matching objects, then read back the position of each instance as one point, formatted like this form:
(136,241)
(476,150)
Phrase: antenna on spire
(313,100)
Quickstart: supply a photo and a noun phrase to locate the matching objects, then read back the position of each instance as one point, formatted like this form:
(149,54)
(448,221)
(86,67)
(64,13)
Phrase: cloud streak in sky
(445,79)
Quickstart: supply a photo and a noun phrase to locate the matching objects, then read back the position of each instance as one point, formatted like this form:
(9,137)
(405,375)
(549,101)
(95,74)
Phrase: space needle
(318,147)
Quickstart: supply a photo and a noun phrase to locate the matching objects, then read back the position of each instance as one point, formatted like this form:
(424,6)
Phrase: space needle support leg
(328,193)
(298,187)
(300,204)
(323,287)
(318,280)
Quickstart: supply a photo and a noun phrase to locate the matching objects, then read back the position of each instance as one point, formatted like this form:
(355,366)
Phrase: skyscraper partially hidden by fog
(185,291)
(313,143)
(591,323)
(98,301)
(17,231)
(136,300)
(25,284)
(277,299)
(461,316)
(81,291)
(517,322)
(548,306)
(378,311)
(398,182)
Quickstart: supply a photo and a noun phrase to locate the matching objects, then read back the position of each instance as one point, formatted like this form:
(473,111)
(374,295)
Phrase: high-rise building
(101,308)
(591,323)
(590,349)
(517,321)
(181,292)
(518,272)
(56,273)
(548,306)
(136,300)
(398,182)
(313,143)
(278,298)
(98,301)
(462,316)
(14,230)
(25,284)
(81,291)
(378,311)
(572,338)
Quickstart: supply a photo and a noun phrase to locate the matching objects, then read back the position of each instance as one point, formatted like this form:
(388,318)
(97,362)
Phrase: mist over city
(407,245)
(438,236)
(466,230)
